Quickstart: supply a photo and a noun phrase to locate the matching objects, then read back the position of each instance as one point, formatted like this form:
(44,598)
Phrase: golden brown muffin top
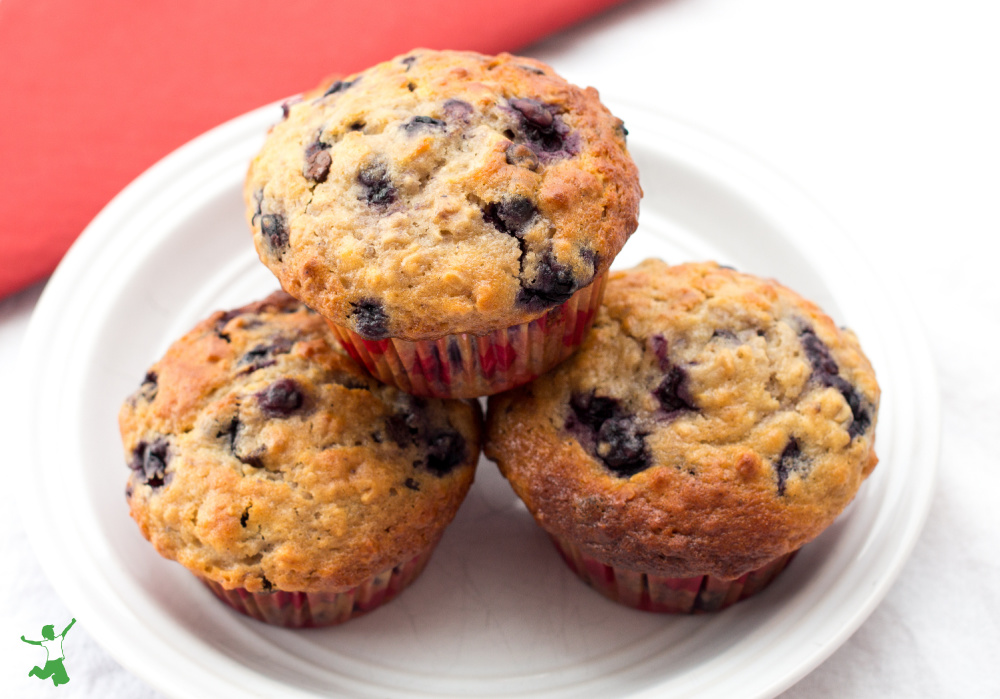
(442,192)
(263,457)
(711,422)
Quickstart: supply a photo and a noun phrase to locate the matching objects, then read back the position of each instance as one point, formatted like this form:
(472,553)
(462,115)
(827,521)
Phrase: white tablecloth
(888,113)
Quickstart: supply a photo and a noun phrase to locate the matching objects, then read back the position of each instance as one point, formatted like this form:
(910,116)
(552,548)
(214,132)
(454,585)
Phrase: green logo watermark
(54,655)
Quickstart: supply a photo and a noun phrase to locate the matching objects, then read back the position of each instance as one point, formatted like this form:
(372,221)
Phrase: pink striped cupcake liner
(313,609)
(470,366)
(653,593)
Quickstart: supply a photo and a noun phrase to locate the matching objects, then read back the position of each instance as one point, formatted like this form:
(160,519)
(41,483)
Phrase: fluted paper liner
(311,609)
(470,366)
(653,593)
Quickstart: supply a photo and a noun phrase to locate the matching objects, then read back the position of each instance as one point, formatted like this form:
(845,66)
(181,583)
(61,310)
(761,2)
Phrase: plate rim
(250,125)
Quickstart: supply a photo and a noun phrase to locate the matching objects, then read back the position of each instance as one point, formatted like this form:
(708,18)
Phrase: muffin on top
(711,423)
(442,192)
(263,458)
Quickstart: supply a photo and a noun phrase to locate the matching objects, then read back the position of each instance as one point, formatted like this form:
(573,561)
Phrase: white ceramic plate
(496,613)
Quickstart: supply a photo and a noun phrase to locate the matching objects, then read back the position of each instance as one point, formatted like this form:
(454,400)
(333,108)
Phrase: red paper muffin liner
(653,593)
(311,609)
(470,366)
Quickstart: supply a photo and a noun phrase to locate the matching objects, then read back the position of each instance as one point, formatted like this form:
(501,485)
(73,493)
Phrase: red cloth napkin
(92,92)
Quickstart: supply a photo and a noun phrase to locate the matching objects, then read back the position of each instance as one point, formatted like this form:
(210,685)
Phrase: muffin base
(313,609)
(470,366)
(653,593)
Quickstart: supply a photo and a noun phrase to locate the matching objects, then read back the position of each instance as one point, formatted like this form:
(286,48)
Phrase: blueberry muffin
(268,463)
(441,196)
(710,425)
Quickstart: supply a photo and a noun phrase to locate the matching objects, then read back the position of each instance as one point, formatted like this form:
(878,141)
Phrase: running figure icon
(54,655)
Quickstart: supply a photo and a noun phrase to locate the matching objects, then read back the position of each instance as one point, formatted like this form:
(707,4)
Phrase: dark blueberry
(245,516)
(286,106)
(621,129)
(150,461)
(263,355)
(672,392)
(275,231)
(622,447)
(862,418)
(591,256)
(318,161)
(509,215)
(256,358)
(592,410)
(370,319)
(147,390)
(339,86)
(818,354)
(725,335)
(228,316)
(445,451)
(492,217)
(350,381)
(520,155)
(402,429)
(335,87)
(265,583)
(605,429)
(408,62)
(422,122)
(220,324)
(543,131)
(788,461)
(661,348)
(231,433)
(553,284)
(254,460)
(356,126)
(411,86)
(457,109)
(826,371)
(378,189)
(258,199)
(412,484)
(281,399)
(223,320)
(552,143)
(262,352)
(534,111)
(444,448)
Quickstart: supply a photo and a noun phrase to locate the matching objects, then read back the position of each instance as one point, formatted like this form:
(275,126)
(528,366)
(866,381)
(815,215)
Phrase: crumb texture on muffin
(262,457)
(442,192)
(711,422)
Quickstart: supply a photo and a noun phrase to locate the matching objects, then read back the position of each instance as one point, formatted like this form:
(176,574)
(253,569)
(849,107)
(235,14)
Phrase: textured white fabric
(886,112)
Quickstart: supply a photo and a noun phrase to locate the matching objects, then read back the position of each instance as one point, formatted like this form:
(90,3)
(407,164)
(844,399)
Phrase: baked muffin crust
(442,192)
(262,457)
(711,422)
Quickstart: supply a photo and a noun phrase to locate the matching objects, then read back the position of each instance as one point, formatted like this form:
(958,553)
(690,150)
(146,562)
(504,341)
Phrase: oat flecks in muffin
(711,422)
(263,457)
(461,192)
